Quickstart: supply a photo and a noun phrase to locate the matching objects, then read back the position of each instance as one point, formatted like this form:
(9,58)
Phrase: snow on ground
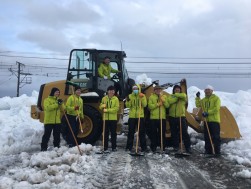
(20,135)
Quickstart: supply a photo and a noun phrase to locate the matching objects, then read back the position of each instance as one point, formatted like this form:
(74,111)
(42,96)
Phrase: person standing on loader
(210,105)
(136,102)
(74,108)
(52,119)
(157,105)
(177,108)
(110,106)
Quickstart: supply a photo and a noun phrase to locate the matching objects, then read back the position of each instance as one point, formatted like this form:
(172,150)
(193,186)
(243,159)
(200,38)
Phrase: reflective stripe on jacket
(155,109)
(211,105)
(112,106)
(106,70)
(51,111)
(177,103)
(73,101)
(134,104)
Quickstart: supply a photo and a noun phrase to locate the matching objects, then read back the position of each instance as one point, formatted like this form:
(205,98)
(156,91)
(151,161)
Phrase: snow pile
(18,131)
(143,79)
(59,168)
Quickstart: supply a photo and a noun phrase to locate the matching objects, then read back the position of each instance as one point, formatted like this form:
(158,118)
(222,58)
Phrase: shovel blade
(181,154)
(136,154)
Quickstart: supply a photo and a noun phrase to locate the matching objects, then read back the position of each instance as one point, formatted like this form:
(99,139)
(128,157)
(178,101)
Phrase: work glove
(60,101)
(105,77)
(105,110)
(205,114)
(141,95)
(198,94)
(163,99)
(159,104)
(76,108)
(103,106)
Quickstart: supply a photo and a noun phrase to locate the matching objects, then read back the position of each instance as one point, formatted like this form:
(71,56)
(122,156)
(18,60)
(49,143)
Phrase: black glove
(60,101)
(127,98)
(198,94)
(205,114)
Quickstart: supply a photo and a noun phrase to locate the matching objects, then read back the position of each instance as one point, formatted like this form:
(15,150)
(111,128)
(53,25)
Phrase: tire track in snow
(111,170)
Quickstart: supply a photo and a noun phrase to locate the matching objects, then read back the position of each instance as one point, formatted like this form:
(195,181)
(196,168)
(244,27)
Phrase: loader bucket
(229,127)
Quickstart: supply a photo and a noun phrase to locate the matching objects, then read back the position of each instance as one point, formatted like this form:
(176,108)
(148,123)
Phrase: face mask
(135,91)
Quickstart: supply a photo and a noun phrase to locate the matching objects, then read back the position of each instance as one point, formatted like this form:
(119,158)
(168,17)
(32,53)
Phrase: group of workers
(157,104)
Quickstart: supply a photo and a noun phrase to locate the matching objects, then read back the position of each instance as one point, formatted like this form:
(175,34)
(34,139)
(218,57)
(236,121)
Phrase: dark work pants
(74,124)
(110,126)
(48,128)
(214,129)
(133,124)
(175,132)
(156,133)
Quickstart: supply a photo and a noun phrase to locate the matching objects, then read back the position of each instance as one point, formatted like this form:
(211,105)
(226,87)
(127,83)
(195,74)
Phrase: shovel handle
(68,123)
(208,131)
(137,141)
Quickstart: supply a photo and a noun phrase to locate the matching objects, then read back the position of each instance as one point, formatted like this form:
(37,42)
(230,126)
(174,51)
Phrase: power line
(6,80)
(194,63)
(157,57)
(21,80)
(195,58)
(194,74)
(35,57)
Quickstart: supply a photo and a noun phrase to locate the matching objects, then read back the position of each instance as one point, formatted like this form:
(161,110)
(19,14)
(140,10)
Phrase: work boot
(106,151)
(114,150)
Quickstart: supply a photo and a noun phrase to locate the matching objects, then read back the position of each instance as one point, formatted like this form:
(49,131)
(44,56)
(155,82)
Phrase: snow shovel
(161,131)
(181,154)
(68,123)
(137,140)
(103,137)
(210,138)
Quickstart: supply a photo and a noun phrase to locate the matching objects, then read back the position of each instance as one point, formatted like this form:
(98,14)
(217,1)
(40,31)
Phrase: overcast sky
(145,28)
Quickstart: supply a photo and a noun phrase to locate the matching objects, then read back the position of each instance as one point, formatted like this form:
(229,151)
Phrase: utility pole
(19,73)
(18,76)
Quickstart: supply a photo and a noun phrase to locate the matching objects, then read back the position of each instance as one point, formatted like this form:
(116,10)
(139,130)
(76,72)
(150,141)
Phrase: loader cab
(83,70)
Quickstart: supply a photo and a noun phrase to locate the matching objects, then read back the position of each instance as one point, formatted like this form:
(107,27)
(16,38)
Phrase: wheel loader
(83,71)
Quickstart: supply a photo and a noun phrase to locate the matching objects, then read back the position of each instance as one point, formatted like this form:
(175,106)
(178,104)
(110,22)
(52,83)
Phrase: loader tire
(92,126)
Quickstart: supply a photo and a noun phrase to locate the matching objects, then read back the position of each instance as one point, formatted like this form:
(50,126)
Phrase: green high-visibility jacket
(134,104)
(112,106)
(106,70)
(52,110)
(211,105)
(177,106)
(71,103)
(155,109)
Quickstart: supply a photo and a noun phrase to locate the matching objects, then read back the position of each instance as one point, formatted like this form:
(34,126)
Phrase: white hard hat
(209,87)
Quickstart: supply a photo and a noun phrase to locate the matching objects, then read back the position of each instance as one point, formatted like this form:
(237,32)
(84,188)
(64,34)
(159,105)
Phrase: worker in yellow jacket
(177,109)
(104,71)
(53,106)
(136,102)
(211,112)
(157,104)
(110,106)
(74,113)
